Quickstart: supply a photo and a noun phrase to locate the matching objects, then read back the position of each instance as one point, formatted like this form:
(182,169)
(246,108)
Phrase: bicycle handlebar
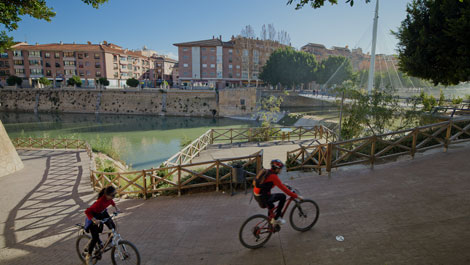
(111,217)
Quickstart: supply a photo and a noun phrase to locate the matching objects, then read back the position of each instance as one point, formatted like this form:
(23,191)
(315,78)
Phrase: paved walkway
(410,212)
(271,150)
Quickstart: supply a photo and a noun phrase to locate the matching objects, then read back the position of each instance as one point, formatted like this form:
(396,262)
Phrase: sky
(158,24)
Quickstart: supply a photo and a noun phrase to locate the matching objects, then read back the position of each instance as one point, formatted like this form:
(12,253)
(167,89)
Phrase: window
(203,49)
(80,56)
(2,73)
(97,55)
(34,62)
(129,67)
(238,66)
(230,66)
(242,101)
(35,54)
(57,55)
(212,73)
(159,64)
(98,74)
(97,65)
(212,58)
(204,65)
(57,64)
(48,64)
(245,52)
(17,53)
(18,62)
(116,74)
(230,75)
(185,73)
(3,55)
(212,65)
(36,71)
(204,57)
(204,73)
(212,49)
(185,49)
(69,63)
(185,57)
(48,73)
(115,66)
(80,64)
(47,55)
(70,72)
(81,73)
(7,64)
(1,63)
(230,59)
(185,65)
(238,74)
(87,63)
(115,58)
(230,51)
(88,73)
(86,55)
(69,54)
(19,71)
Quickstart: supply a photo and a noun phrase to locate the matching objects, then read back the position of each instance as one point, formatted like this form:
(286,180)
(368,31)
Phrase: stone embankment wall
(174,103)
(293,100)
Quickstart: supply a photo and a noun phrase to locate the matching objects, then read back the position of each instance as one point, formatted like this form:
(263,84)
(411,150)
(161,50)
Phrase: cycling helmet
(276,163)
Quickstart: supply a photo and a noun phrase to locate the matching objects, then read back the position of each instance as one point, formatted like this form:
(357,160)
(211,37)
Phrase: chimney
(88,42)
(37,44)
(74,42)
(213,37)
(220,37)
(61,42)
(105,42)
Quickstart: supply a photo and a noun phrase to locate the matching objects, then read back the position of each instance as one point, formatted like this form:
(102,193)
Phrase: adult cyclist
(264,182)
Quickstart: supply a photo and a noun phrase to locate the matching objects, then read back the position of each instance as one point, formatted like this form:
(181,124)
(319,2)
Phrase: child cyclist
(95,213)
(263,184)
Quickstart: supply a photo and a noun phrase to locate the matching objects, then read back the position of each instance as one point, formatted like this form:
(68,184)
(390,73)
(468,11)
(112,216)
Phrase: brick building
(59,61)
(217,63)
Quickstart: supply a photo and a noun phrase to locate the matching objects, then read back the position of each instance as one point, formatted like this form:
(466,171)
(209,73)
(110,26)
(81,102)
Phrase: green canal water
(141,141)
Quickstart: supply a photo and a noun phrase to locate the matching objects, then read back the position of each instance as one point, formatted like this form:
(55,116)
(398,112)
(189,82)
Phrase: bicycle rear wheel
(255,231)
(81,246)
(304,215)
(125,253)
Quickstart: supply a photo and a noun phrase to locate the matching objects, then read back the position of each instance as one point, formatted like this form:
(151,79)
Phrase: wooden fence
(257,134)
(178,178)
(370,150)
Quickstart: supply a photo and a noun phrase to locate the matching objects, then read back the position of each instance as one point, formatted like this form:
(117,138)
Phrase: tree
(103,81)
(271,32)
(248,32)
(269,109)
(288,67)
(74,81)
(44,81)
(12,10)
(13,80)
(433,41)
(334,71)
(264,33)
(283,37)
(132,82)
(317,3)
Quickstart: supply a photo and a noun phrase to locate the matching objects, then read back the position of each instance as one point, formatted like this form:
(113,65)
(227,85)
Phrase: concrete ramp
(10,162)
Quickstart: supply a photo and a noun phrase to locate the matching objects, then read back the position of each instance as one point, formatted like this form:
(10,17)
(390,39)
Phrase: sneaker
(278,221)
(88,259)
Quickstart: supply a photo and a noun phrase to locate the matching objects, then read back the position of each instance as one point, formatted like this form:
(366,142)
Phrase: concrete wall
(176,103)
(9,160)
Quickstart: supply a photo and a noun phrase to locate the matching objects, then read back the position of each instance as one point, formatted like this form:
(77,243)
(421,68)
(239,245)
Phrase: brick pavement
(409,212)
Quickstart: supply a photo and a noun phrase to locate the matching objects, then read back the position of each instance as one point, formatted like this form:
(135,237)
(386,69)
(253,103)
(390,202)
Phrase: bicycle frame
(272,214)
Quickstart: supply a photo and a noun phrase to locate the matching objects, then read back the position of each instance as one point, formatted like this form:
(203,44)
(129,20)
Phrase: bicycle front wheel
(304,215)
(255,231)
(125,253)
(81,246)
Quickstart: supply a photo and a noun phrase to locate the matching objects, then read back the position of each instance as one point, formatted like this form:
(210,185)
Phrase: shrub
(74,81)
(132,82)
(14,80)
(103,81)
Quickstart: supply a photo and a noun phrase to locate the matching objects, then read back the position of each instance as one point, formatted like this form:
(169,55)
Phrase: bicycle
(259,229)
(121,250)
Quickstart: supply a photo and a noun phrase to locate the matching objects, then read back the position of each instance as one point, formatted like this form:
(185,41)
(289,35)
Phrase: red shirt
(99,206)
(269,183)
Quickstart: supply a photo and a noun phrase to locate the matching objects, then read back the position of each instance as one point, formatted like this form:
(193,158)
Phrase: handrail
(370,149)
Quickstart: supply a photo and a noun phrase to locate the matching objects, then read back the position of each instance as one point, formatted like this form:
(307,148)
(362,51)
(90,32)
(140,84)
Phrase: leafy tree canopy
(132,82)
(317,3)
(334,71)
(434,41)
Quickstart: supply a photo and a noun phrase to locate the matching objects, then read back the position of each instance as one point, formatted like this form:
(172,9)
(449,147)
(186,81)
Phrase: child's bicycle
(122,251)
(257,229)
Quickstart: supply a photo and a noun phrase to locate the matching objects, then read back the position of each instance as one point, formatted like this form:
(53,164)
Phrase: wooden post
(329,153)
(250,135)
(413,143)
(152,181)
(372,152)
(217,175)
(231,139)
(300,133)
(145,184)
(179,180)
(288,136)
(212,136)
(448,134)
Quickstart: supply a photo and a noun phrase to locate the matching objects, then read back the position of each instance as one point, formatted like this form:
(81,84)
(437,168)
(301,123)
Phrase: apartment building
(359,60)
(217,63)
(165,69)
(59,61)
